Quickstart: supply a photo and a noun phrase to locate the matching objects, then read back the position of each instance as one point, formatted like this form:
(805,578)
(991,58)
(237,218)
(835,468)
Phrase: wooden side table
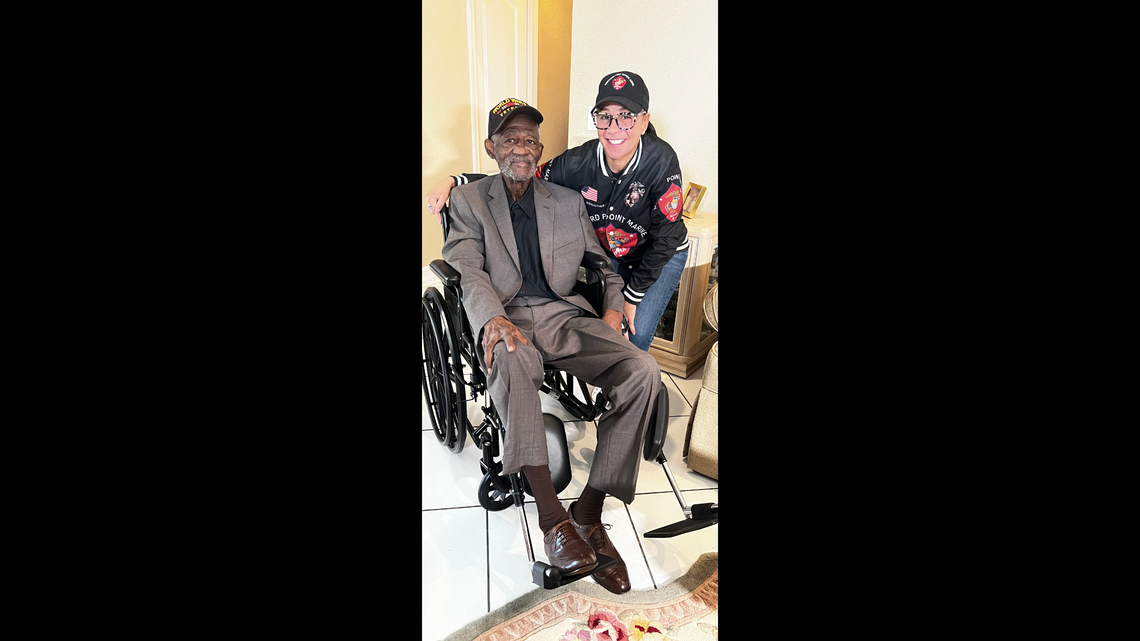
(683,337)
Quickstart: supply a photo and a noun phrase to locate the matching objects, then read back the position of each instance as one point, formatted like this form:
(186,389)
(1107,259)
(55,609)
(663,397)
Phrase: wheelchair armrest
(446,273)
(592,261)
(593,289)
(445,219)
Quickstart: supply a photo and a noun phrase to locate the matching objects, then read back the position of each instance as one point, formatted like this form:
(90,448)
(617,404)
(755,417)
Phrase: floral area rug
(683,610)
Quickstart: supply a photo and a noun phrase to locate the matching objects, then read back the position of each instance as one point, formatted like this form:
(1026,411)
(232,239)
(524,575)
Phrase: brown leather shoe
(567,551)
(614,578)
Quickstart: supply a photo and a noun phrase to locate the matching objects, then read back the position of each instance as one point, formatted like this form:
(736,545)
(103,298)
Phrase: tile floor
(474,561)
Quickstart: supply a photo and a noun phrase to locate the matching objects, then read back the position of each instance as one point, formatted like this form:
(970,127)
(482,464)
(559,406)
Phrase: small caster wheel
(491,497)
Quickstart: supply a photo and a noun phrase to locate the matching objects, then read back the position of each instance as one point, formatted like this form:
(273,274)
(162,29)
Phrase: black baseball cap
(508,109)
(625,88)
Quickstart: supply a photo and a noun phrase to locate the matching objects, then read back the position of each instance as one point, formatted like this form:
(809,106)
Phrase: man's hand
(437,197)
(499,329)
(612,317)
(630,312)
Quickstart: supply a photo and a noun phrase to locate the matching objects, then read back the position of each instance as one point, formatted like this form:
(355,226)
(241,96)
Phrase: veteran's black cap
(625,88)
(508,109)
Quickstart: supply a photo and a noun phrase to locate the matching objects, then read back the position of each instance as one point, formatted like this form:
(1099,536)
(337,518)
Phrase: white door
(502,36)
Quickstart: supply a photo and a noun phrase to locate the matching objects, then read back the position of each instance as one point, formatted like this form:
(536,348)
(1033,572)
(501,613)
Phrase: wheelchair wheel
(563,385)
(491,497)
(459,425)
(433,369)
(449,389)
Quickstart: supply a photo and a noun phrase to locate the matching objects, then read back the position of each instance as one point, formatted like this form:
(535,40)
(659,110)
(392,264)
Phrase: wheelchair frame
(450,350)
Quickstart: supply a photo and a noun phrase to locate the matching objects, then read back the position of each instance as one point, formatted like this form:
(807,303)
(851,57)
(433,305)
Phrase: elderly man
(517,241)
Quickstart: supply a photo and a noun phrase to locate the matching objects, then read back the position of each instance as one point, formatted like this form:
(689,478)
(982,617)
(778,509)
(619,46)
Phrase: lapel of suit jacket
(544,213)
(500,205)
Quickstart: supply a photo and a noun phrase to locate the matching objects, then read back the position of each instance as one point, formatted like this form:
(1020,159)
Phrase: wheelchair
(453,373)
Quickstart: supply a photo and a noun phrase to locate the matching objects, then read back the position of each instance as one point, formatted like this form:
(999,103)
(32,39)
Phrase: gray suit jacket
(481,247)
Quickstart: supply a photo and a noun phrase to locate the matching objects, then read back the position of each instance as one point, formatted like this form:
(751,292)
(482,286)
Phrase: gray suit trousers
(562,335)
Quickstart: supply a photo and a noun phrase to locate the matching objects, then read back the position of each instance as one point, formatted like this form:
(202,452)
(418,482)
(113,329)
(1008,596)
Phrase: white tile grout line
(681,392)
(641,547)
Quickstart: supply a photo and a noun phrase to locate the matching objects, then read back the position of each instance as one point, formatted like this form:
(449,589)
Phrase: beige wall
(446,101)
(555,18)
(672,45)
(445,136)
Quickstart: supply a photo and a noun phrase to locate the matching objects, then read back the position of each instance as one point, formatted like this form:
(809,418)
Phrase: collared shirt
(525,224)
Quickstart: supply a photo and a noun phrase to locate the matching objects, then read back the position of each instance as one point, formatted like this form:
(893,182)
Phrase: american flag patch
(590,193)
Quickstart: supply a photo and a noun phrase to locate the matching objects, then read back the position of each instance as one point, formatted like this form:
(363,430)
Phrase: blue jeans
(656,299)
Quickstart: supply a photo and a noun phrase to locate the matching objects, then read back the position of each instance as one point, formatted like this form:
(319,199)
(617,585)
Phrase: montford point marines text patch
(670,203)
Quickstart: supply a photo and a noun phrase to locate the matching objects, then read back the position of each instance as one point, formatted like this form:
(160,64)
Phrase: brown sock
(550,510)
(588,508)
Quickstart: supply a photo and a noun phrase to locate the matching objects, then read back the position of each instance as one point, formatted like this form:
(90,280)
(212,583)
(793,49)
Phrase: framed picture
(693,196)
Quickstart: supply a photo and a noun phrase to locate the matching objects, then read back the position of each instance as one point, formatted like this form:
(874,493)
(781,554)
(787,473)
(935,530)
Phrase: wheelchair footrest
(681,527)
(549,577)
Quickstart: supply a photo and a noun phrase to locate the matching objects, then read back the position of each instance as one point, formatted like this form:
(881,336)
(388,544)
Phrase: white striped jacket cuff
(632,296)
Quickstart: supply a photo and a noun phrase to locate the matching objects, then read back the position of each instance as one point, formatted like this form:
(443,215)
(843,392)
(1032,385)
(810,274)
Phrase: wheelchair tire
(491,497)
(451,422)
(433,367)
(460,424)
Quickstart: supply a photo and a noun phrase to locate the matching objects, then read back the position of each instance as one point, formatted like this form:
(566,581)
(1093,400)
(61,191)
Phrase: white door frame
(517,17)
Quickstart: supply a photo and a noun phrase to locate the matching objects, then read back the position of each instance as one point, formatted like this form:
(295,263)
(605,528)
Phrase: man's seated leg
(630,379)
(631,384)
(590,349)
(564,545)
(514,382)
(586,514)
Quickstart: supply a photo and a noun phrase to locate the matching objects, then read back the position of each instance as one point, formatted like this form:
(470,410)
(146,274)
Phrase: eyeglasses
(625,120)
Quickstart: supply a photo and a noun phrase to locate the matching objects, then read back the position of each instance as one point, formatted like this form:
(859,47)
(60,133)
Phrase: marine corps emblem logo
(636,191)
(670,203)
